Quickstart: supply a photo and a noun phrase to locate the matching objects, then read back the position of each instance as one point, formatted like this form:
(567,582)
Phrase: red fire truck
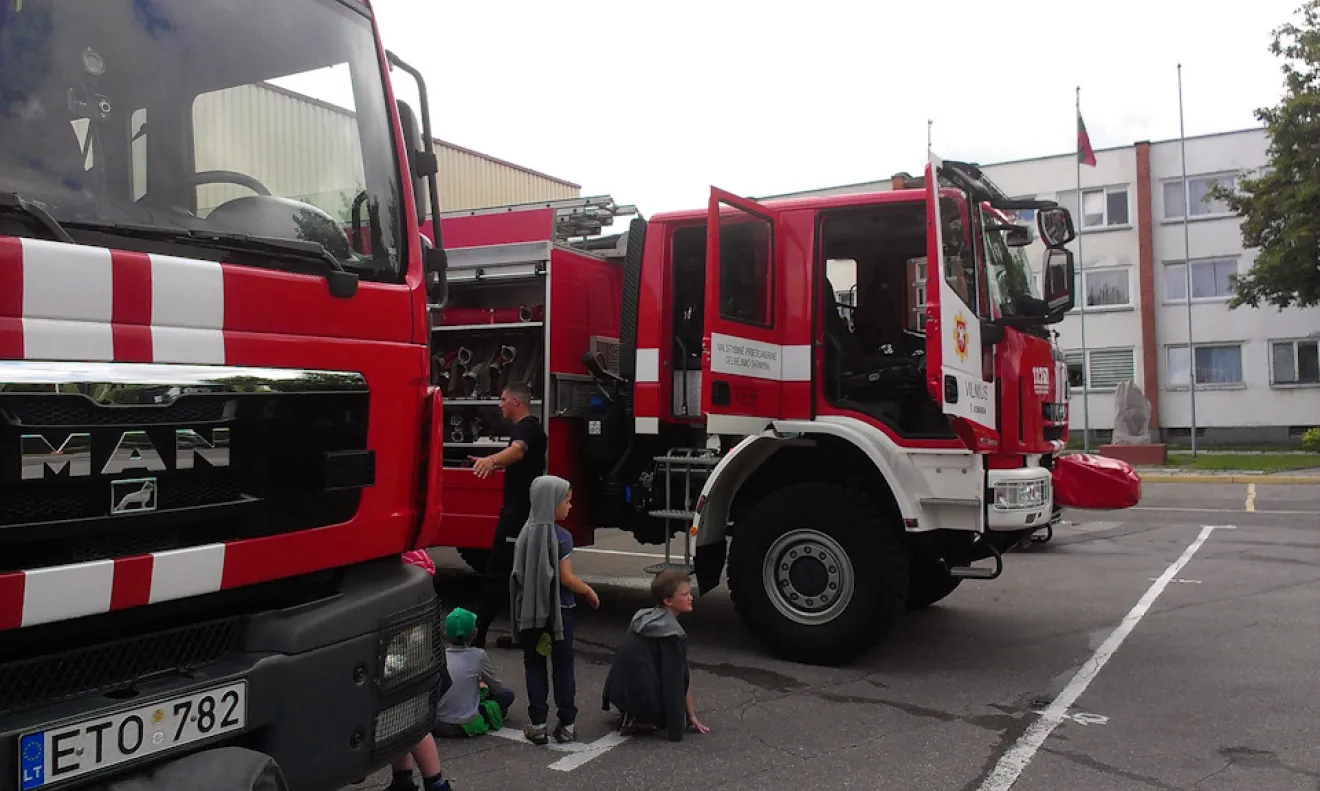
(212,398)
(847,450)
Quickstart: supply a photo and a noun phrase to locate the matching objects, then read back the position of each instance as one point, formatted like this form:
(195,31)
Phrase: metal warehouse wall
(471,181)
(317,160)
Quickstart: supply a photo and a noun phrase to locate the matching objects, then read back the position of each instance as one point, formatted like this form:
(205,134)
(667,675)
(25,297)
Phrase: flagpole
(1187,260)
(1081,281)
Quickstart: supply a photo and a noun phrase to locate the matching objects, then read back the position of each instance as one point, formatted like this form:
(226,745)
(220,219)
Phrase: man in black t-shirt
(523,461)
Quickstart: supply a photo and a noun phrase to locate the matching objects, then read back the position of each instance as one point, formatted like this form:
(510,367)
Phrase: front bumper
(320,699)
(1020,499)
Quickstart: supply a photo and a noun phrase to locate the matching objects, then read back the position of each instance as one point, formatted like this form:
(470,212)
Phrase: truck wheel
(928,584)
(817,574)
(475,558)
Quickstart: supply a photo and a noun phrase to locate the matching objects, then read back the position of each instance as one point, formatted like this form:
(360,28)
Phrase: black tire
(929,583)
(475,558)
(875,558)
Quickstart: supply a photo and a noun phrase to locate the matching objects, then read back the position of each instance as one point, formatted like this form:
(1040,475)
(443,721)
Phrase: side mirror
(1060,275)
(1056,227)
(434,266)
(421,163)
(1018,236)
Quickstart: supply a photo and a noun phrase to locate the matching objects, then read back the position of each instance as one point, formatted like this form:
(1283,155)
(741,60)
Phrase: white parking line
(594,750)
(1012,763)
(578,752)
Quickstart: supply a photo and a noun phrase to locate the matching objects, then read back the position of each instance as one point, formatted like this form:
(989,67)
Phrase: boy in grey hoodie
(541,590)
(648,681)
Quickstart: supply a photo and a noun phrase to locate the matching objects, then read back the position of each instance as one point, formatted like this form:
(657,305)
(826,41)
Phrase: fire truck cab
(845,401)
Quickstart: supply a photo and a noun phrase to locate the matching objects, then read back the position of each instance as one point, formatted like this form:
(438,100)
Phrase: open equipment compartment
(524,305)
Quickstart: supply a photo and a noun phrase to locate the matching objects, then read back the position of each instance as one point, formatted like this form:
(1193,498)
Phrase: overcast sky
(654,102)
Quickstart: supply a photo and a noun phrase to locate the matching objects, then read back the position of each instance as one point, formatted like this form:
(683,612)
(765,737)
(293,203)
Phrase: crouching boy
(649,680)
(477,701)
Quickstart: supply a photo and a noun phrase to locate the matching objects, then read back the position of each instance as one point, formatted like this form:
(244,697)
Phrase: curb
(1290,480)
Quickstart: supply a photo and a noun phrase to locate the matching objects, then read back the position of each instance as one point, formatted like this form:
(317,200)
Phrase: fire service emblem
(960,336)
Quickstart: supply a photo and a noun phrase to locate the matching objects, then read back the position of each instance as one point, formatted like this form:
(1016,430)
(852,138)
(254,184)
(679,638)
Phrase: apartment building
(1257,372)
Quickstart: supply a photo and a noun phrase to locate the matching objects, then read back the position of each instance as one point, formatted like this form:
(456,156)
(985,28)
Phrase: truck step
(686,516)
(975,572)
(961,501)
(686,568)
(694,461)
(980,572)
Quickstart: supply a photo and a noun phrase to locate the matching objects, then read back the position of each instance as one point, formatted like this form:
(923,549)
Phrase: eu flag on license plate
(32,761)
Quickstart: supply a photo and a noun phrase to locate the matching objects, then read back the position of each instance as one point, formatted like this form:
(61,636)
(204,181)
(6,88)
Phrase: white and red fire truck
(843,462)
(212,423)
(223,415)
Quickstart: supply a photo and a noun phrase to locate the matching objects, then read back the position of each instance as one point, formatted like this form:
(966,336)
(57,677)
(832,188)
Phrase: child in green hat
(477,701)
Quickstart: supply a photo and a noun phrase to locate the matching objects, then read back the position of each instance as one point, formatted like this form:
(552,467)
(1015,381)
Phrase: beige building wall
(317,160)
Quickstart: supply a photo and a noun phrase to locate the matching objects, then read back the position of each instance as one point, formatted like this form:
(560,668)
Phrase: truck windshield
(1009,273)
(236,117)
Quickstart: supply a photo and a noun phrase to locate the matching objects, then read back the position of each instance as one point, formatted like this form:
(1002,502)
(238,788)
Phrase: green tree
(1280,207)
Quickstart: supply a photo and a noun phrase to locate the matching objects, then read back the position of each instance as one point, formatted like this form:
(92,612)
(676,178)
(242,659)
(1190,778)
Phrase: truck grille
(93,466)
(114,665)
(50,411)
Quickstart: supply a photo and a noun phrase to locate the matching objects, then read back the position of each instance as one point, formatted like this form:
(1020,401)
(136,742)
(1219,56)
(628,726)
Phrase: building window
(1107,288)
(1210,280)
(1108,368)
(1104,207)
(1217,364)
(1198,190)
(1295,363)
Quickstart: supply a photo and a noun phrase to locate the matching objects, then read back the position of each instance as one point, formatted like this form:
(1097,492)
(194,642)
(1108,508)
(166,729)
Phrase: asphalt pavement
(1171,646)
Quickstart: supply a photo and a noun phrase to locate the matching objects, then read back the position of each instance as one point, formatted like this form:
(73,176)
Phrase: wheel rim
(808,577)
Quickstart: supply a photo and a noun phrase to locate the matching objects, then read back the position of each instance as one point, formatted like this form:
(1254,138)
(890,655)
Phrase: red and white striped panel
(73,302)
(58,593)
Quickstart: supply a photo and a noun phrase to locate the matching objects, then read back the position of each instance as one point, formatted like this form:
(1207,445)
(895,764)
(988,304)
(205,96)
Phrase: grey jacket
(534,583)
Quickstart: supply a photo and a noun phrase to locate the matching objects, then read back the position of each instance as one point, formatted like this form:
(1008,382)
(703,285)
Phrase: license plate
(65,752)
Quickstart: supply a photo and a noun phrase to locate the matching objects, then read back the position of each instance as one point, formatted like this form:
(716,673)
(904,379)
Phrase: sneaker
(536,734)
(507,642)
(631,726)
(565,734)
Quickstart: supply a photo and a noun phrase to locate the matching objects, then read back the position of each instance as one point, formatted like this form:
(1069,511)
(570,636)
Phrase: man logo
(133,496)
(1040,376)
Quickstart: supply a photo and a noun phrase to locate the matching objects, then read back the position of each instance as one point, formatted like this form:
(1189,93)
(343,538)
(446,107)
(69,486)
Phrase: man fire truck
(212,397)
(845,462)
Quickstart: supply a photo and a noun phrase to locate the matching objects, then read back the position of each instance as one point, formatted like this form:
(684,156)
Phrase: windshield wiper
(13,203)
(343,283)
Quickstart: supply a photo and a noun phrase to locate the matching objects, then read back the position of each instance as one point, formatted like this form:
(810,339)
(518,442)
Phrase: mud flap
(709,564)
(1083,480)
(221,769)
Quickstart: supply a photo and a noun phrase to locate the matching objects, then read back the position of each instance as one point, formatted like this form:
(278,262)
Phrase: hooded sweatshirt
(534,596)
(649,678)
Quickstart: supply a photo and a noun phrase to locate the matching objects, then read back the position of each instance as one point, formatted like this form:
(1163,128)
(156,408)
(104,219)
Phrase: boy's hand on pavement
(695,724)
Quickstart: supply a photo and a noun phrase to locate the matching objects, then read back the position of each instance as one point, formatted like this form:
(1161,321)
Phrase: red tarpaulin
(1083,480)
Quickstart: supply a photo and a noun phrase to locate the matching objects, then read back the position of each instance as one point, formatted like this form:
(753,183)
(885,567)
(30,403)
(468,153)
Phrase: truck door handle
(950,389)
(720,393)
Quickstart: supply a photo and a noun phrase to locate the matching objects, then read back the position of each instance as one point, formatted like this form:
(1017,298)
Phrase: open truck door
(743,365)
(954,356)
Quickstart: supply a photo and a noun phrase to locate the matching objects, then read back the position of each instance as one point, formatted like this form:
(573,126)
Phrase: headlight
(410,648)
(406,651)
(1021,495)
